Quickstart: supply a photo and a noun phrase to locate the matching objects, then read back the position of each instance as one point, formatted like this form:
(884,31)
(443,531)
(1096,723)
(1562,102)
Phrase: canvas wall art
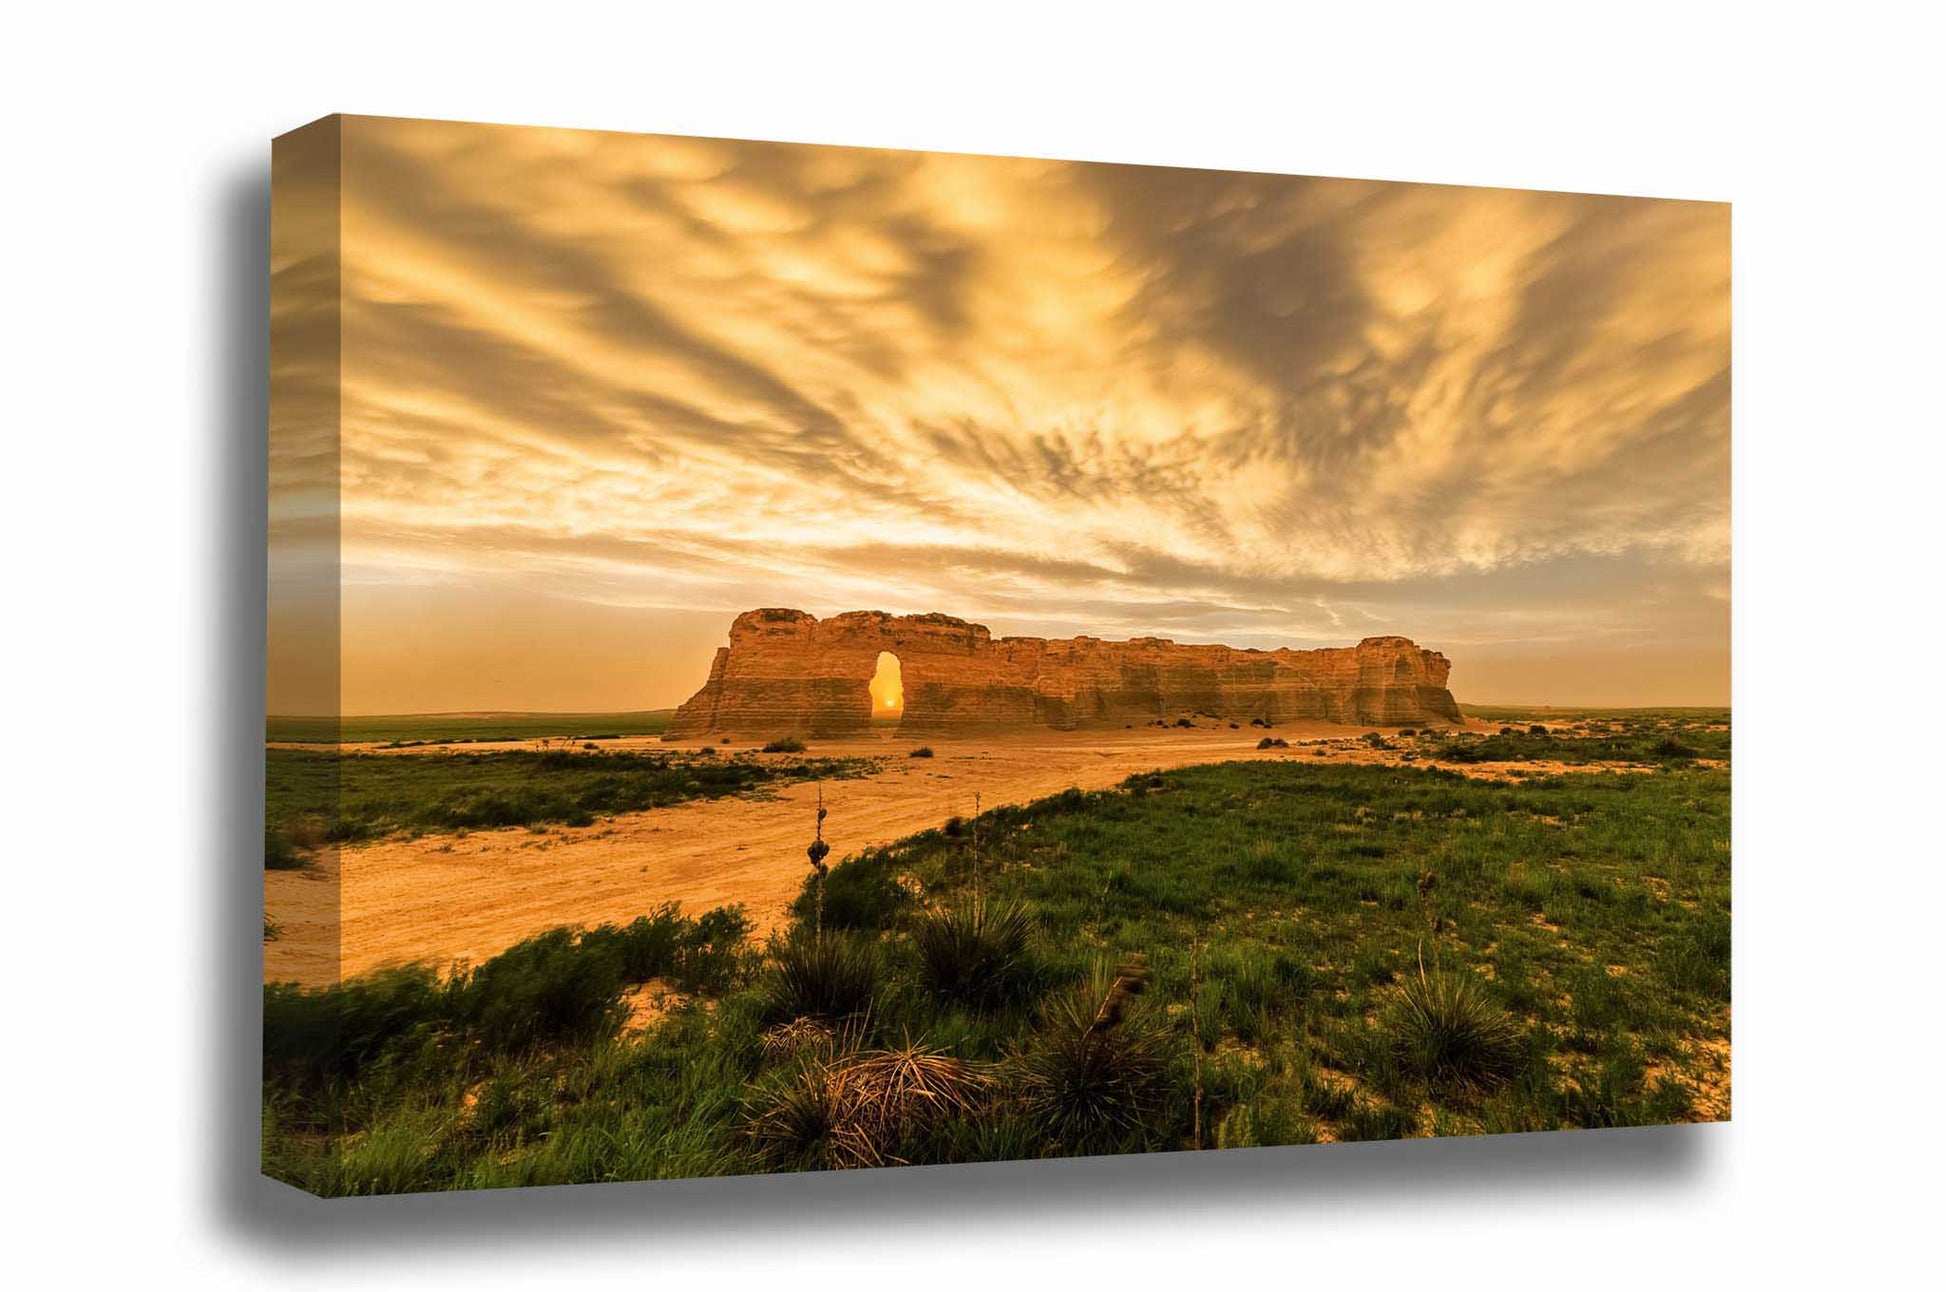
(790,658)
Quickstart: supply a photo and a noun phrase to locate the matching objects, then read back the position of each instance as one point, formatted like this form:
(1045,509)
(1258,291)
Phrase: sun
(888,690)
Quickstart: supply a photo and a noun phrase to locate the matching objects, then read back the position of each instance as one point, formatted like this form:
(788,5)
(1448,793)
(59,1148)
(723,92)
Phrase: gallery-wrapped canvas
(790,657)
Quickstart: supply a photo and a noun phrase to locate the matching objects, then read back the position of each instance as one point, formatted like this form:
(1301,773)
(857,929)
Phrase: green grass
(1694,715)
(433,728)
(1621,741)
(1326,952)
(315,797)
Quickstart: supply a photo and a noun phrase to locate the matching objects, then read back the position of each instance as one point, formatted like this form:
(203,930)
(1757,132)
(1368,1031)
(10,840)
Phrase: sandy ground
(446,899)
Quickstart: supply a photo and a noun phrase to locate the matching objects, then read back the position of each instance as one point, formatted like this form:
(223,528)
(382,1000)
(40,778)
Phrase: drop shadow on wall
(241,357)
(262,1213)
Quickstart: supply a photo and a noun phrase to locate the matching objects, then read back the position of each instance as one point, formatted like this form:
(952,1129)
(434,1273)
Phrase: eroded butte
(786,672)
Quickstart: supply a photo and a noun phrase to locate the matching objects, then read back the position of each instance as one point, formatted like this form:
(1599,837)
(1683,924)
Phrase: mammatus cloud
(668,377)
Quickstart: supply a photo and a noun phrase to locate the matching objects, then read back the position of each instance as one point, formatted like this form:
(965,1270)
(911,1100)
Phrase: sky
(602,392)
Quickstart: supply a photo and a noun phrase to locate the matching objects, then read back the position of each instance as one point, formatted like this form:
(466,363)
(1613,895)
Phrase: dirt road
(446,899)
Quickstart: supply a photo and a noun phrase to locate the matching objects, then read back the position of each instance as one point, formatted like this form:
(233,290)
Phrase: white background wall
(131,297)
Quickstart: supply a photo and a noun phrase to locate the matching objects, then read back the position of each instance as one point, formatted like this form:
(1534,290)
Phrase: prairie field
(1520,925)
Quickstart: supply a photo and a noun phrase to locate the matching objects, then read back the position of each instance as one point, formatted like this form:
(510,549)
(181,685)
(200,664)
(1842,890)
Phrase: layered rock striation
(789,673)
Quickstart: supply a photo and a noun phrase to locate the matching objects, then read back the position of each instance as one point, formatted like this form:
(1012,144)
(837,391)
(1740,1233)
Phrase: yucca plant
(861,1110)
(894,1096)
(1093,1076)
(792,1124)
(1445,1028)
(828,975)
(798,1038)
(975,953)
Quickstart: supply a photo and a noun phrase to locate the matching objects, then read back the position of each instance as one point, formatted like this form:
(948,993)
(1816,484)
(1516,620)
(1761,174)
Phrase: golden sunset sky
(601,392)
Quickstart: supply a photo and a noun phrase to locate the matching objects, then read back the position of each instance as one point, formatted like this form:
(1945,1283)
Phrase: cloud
(698,375)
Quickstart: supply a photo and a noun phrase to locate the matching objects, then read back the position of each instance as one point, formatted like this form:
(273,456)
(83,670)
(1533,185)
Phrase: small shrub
(1273,742)
(862,892)
(316,1037)
(955,827)
(832,976)
(1444,1028)
(923,751)
(1093,1077)
(862,1110)
(1537,730)
(713,954)
(786,745)
(549,988)
(792,1125)
(798,1038)
(647,947)
(706,954)
(1184,722)
(975,953)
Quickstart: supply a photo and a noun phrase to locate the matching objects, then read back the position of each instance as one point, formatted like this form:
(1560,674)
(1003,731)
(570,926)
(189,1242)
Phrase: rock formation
(789,673)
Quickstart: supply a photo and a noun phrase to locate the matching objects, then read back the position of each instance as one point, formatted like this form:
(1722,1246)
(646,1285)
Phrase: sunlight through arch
(888,691)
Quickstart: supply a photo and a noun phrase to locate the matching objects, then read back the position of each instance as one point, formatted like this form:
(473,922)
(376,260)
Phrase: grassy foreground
(1239,954)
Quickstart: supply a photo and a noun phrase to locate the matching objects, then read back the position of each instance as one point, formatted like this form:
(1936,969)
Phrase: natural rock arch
(887,689)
